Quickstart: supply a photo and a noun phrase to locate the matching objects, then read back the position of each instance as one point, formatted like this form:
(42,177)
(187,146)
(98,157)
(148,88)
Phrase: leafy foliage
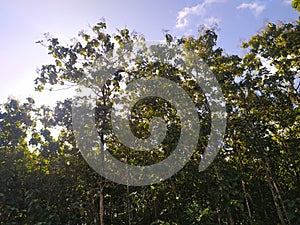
(254,180)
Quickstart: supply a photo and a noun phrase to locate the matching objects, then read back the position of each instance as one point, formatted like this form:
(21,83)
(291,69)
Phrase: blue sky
(23,23)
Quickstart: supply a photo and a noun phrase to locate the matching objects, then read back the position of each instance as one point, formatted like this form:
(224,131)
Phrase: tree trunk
(128,206)
(247,202)
(104,121)
(101,212)
(231,222)
(280,209)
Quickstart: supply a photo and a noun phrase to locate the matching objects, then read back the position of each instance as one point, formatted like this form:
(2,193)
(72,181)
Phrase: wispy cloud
(212,22)
(200,9)
(287,2)
(254,7)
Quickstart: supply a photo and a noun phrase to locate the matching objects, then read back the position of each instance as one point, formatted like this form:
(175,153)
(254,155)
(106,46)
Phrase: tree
(253,180)
(262,108)
(296,4)
(277,98)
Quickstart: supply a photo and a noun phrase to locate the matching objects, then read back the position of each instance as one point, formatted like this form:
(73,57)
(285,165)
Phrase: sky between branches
(24,22)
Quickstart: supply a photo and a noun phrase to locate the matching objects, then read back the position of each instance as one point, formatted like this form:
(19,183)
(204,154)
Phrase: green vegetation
(254,179)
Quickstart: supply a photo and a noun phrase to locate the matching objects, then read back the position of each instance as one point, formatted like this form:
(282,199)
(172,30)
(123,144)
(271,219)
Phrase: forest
(254,179)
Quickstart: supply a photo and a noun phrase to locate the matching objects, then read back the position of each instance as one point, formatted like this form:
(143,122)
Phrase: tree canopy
(253,180)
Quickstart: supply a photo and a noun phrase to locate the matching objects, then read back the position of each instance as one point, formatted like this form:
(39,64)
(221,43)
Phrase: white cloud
(254,7)
(212,22)
(200,9)
(288,2)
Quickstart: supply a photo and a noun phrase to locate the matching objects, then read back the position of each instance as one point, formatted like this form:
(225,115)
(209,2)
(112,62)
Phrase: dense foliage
(254,180)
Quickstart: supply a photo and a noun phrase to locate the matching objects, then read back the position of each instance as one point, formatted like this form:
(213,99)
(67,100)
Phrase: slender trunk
(262,199)
(244,187)
(219,219)
(101,187)
(104,121)
(281,202)
(128,206)
(280,208)
(230,219)
(274,195)
(231,222)
(101,212)
(246,199)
